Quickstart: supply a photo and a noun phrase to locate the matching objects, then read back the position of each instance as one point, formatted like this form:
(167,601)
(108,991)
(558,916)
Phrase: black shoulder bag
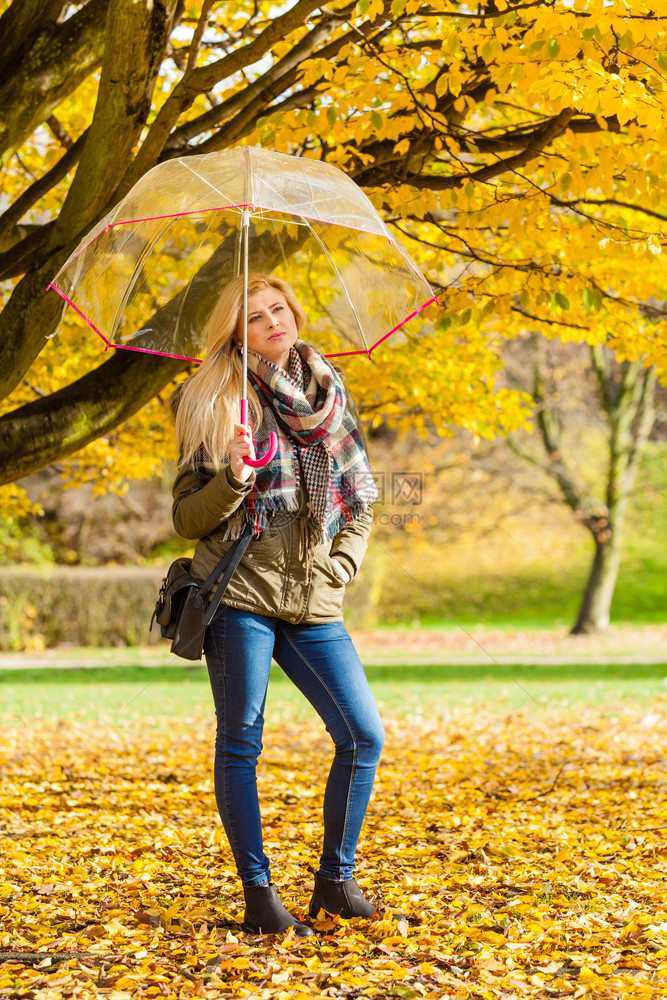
(183,610)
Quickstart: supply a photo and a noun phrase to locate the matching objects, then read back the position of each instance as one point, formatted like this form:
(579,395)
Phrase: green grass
(535,597)
(535,601)
(530,600)
(125,695)
(539,599)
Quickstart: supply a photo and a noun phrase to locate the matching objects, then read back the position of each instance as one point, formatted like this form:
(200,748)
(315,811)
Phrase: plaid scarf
(305,407)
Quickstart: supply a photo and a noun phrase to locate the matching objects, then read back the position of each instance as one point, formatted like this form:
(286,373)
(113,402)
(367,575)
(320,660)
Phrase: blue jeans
(322,662)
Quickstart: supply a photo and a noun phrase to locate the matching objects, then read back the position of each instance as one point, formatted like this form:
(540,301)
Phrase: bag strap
(205,587)
(227,564)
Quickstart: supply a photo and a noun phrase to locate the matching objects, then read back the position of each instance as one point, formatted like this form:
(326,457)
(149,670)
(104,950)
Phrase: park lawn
(513,844)
(123,694)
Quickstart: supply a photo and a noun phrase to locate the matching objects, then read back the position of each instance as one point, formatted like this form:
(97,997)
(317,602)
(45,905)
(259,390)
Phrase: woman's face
(271,326)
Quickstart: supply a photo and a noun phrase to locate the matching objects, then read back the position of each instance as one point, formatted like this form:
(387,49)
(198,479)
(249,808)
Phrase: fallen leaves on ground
(509,857)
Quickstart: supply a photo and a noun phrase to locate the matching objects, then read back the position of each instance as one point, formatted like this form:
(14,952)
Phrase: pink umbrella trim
(77,310)
(197,361)
(345,354)
(161,354)
(123,347)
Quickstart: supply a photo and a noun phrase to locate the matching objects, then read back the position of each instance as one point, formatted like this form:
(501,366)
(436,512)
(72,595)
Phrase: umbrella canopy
(150,272)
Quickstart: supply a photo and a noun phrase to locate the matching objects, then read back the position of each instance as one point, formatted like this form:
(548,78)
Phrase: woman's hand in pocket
(342,571)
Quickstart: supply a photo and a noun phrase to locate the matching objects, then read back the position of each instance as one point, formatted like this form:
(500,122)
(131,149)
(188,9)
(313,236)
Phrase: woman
(310,509)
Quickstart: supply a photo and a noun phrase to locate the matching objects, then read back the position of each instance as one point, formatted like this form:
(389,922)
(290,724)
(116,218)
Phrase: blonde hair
(207,405)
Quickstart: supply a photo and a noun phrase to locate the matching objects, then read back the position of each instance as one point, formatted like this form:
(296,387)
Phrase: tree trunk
(595,610)
(630,409)
(627,398)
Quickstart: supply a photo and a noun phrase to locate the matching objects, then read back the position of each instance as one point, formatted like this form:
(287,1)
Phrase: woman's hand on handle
(241,446)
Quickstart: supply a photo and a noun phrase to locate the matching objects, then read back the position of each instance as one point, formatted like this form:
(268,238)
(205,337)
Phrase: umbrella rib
(340,278)
(141,258)
(192,269)
(199,176)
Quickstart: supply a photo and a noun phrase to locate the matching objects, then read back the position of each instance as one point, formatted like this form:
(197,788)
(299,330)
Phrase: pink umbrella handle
(264,459)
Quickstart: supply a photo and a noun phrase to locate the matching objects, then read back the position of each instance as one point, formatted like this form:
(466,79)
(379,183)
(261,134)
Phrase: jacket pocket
(327,589)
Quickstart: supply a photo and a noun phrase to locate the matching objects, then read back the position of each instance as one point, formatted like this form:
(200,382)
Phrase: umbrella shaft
(244,247)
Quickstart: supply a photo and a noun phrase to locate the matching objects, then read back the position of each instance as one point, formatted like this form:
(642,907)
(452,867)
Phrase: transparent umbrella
(148,275)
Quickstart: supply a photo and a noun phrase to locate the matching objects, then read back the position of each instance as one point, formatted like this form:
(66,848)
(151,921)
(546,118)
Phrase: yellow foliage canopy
(520,151)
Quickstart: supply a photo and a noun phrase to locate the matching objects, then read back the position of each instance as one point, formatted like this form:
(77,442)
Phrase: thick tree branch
(542,137)
(60,133)
(384,170)
(27,319)
(526,136)
(600,361)
(645,418)
(197,37)
(246,121)
(202,79)
(52,428)
(60,58)
(632,409)
(258,95)
(577,497)
(22,255)
(20,24)
(136,35)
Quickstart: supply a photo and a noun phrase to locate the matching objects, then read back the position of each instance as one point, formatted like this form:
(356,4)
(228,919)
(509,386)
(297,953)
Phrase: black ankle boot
(343,898)
(265,914)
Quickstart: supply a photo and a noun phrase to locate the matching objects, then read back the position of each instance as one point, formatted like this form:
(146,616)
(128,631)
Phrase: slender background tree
(621,402)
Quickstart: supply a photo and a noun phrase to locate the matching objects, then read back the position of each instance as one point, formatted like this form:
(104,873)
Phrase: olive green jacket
(277,575)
